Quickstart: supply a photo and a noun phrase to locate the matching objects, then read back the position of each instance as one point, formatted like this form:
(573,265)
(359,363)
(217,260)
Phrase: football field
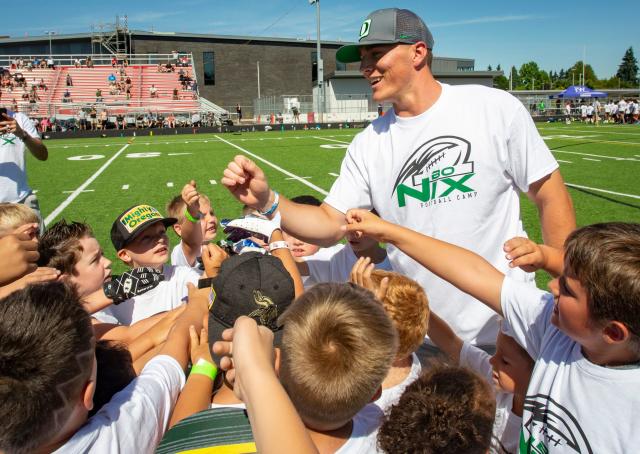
(93,180)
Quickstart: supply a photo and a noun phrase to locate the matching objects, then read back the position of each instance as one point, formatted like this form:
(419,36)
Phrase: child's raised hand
(247,351)
(361,275)
(212,258)
(364,222)
(247,182)
(524,253)
(199,345)
(191,198)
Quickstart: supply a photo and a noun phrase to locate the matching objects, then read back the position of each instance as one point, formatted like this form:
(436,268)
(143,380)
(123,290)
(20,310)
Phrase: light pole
(320,70)
(50,47)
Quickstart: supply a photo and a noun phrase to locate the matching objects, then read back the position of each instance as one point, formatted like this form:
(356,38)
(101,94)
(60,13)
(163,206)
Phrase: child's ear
(178,229)
(123,255)
(377,395)
(615,332)
(276,362)
(90,388)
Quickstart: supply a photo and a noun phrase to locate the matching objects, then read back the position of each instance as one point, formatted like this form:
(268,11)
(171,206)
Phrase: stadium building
(264,75)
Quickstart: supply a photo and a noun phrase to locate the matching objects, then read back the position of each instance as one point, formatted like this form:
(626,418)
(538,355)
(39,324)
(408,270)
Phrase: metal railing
(98,59)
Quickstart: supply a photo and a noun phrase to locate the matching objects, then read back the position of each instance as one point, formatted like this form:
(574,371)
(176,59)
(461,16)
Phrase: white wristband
(278,245)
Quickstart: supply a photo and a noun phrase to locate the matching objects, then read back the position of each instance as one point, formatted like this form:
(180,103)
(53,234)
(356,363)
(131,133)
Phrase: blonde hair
(337,347)
(407,306)
(14,215)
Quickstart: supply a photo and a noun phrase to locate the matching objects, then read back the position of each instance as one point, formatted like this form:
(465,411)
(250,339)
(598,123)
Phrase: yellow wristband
(204,367)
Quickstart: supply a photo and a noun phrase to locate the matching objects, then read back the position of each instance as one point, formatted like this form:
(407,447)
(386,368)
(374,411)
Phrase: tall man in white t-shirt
(449,161)
(16,133)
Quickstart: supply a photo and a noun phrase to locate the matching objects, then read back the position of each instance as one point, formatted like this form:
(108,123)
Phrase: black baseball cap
(132,221)
(387,26)
(252,284)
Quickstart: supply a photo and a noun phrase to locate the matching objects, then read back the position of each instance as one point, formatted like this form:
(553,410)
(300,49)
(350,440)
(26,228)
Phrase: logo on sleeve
(438,171)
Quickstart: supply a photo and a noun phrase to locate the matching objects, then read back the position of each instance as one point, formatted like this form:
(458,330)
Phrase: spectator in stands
(20,80)
(50,63)
(29,65)
(14,105)
(89,62)
(45,125)
(175,94)
(161,68)
(239,112)
(153,91)
(69,80)
(112,78)
(171,121)
(43,63)
(128,81)
(114,61)
(82,116)
(77,63)
(99,95)
(128,91)
(125,62)
(170,67)
(67,96)
(42,85)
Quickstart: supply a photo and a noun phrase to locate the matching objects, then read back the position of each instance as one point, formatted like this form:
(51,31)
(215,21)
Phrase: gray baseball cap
(387,26)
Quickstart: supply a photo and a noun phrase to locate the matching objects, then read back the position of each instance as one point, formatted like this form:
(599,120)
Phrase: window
(208,63)
(314,66)
(340,66)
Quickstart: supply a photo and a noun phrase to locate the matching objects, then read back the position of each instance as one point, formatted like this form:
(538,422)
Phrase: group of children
(288,347)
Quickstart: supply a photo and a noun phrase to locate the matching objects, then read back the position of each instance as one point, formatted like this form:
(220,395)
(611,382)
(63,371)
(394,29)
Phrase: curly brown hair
(407,306)
(447,409)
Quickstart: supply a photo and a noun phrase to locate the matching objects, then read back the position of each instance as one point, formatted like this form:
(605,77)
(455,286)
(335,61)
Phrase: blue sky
(552,33)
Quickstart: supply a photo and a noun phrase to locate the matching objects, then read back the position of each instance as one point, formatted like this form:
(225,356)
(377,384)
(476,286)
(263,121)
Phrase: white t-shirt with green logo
(454,172)
(572,405)
(13,173)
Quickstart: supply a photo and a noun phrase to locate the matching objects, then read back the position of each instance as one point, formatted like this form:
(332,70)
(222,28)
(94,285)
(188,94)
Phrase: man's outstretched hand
(247,182)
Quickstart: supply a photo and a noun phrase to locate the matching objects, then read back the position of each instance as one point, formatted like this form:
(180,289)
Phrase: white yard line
(603,190)
(333,174)
(170,184)
(278,168)
(82,187)
(590,159)
(566,162)
(213,182)
(331,140)
(599,129)
(617,158)
(125,187)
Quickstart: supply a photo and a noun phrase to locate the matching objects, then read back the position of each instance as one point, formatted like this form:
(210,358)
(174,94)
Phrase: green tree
(628,69)
(498,68)
(501,82)
(489,68)
(575,73)
(529,76)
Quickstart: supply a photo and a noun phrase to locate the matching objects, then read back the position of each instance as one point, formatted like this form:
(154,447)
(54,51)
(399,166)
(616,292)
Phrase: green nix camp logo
(8,140)
(439,169)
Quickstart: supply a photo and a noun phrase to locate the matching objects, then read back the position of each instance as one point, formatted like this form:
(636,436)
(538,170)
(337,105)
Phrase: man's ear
(420,54)
(615,332)
(123,255)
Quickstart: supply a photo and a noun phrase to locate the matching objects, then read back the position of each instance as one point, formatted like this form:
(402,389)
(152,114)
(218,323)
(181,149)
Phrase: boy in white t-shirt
(582,396)
(197,225)
(139,235)
(49,385)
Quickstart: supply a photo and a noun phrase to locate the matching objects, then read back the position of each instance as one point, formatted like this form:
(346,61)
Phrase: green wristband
(189,217)
(204,367)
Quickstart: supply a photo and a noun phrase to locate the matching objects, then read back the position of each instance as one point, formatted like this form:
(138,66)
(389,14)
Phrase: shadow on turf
(593,194)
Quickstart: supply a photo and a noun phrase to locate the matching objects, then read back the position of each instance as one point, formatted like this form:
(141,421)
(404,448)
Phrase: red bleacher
(86,81)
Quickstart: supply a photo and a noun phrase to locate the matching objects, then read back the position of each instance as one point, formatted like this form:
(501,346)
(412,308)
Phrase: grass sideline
(601,163)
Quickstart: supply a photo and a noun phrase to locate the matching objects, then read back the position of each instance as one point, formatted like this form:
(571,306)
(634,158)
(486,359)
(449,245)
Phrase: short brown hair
(47,351)
(60,247)
(337,347)
(605,258)
(407,306)
(447,409)
(13,215)
(175,208)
